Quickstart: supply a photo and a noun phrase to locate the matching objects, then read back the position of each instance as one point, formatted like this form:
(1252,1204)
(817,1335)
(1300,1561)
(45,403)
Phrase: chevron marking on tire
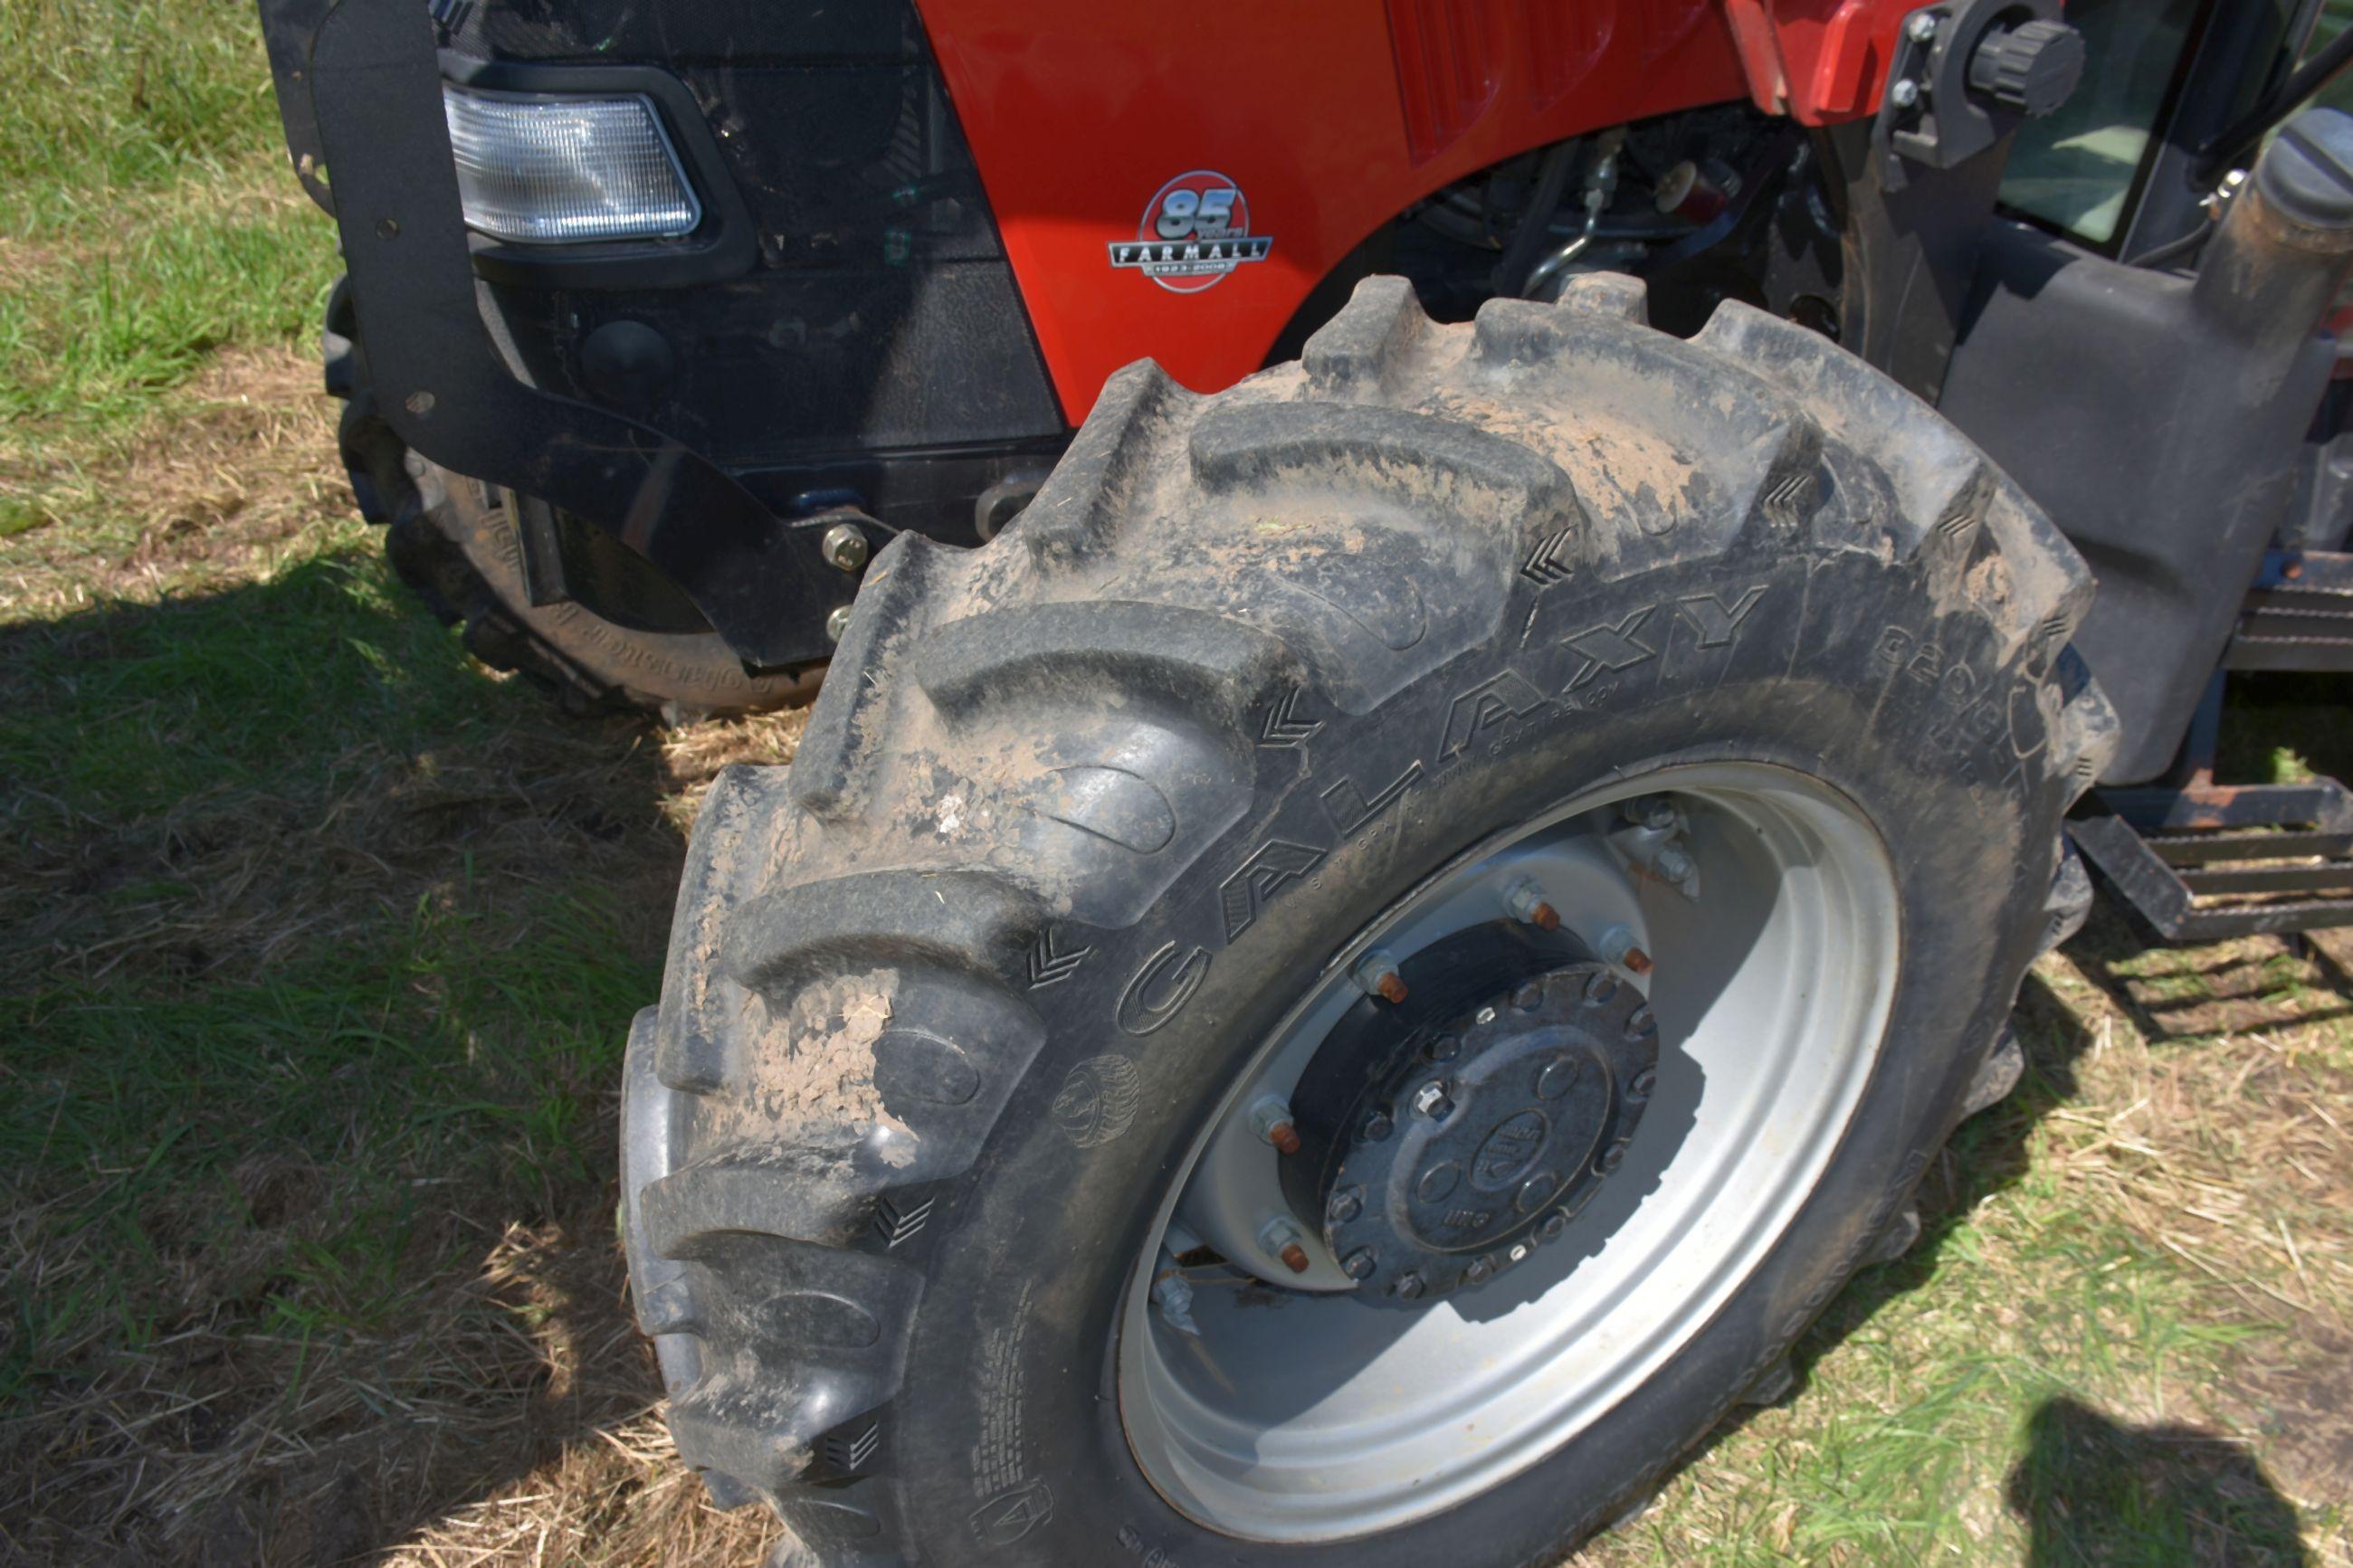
(898,1220)
(848,1453)
(1544,566)
(1283,725)
(1049,967)
(1781,496)
(1613,648)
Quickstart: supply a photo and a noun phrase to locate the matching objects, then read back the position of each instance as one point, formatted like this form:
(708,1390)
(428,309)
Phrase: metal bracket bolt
(1655,812)
(1617,947)
(1284,1238)
(1173,1294)
(1377,975)
(1270,1118)
(1527,904)
(845,547)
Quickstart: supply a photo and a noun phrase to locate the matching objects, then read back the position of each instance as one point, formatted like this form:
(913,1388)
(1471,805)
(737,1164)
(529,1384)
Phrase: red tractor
(1458,637)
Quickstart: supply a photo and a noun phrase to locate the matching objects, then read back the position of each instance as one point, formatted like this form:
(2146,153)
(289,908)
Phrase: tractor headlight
(562,171)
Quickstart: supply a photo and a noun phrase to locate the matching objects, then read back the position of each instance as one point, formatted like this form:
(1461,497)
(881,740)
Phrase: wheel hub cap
(1444,1138)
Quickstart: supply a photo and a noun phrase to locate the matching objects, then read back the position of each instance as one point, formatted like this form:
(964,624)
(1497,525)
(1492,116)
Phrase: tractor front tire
(1638,762)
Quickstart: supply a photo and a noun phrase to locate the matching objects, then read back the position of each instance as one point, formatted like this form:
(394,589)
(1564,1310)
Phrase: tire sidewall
(1867,675)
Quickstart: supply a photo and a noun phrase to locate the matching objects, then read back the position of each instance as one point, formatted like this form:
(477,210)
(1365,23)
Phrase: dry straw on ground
(2187,1114)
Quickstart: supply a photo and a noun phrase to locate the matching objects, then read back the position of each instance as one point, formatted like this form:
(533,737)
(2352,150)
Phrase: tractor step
(2206,861)
(2298,615)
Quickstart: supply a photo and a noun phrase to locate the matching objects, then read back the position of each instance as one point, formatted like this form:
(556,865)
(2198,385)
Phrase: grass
(320,942)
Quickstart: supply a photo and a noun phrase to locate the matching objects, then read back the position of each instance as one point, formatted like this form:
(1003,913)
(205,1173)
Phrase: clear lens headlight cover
(558,171)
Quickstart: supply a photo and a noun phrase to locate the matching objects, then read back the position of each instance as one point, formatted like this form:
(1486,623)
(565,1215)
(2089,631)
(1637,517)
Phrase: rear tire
(953,1007)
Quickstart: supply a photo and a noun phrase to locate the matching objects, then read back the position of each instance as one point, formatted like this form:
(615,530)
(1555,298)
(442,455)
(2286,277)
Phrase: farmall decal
(1196,229)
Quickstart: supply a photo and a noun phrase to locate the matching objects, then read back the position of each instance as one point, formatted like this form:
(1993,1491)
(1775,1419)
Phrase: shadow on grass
(2093,1490)
(317,946)
(2175,994)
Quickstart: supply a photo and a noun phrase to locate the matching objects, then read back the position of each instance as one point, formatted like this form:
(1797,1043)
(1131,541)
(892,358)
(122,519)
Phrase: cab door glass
(2077,169)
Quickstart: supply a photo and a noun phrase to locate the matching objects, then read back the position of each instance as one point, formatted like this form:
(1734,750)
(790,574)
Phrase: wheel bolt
(1528,905)
(1481,1270)
(1345,1205)
(1280,1236)
(1270,1120)
(1378,1126)
(1408,1287)
(1377,975)
(1361,1263)
(1432,1102)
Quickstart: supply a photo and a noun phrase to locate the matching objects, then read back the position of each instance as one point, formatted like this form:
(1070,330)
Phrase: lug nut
(1673,863)
(845,547)
(1528,906)
(1480,1272)
(1617,946)
(1345,1205)
(1286,1240)
(1445,1048)
(1270,1120)
(1377,975)
(1554,1224)
(1432,1101)
(1407,1287)
(837,623)
(1904,93)
(1378,1126)
(1923,26)
(1361,1263)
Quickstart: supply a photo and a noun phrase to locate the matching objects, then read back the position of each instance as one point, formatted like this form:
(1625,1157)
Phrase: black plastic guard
(375,98)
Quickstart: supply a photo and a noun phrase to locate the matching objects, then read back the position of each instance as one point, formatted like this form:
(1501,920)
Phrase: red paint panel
(1328,119)
(1447,72)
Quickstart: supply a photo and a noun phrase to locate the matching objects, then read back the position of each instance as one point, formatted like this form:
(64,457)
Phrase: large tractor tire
(454,543)
(1343,990)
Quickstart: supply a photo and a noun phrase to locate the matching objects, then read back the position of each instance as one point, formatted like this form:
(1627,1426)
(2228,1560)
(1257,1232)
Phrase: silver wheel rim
(1304,1414)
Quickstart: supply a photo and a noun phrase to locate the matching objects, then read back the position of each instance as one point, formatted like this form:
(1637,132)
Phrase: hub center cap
(1485,1125)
